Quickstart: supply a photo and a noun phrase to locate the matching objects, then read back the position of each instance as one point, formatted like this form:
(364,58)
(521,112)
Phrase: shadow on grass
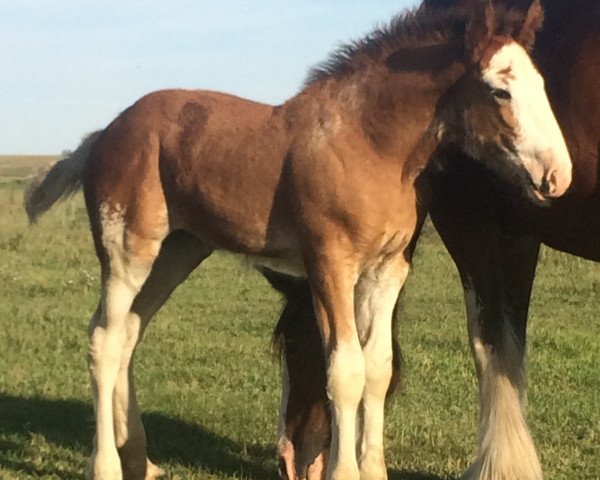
(69,424)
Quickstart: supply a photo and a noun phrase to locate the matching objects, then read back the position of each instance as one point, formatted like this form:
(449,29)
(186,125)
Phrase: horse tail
(58,181)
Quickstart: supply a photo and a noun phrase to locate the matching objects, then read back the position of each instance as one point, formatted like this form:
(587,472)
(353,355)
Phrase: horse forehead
(507,62)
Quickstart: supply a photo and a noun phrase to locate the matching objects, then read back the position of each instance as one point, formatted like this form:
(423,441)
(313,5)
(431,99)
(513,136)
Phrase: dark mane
(409,29)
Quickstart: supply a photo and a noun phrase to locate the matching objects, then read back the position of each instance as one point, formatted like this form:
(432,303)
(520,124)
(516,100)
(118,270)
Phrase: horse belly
(292,266)
(231,227)
(230,202)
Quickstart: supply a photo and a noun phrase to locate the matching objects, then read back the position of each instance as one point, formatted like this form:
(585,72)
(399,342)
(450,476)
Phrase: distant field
(210,388)
(19,166)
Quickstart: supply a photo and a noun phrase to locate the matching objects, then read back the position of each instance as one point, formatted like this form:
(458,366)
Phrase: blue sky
(70,66)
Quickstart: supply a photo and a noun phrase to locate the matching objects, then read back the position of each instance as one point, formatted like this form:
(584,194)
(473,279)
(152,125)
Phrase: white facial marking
(539,141)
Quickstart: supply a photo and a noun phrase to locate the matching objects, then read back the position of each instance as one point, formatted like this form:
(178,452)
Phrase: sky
(68,67)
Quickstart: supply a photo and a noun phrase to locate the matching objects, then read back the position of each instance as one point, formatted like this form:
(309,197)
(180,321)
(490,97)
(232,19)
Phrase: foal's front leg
(332,284)
(376,295)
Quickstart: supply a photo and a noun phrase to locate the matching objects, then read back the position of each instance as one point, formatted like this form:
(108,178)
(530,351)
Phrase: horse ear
(531,25)
(480,29)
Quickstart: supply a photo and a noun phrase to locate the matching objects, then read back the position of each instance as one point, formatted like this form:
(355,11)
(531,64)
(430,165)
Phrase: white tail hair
(59,180)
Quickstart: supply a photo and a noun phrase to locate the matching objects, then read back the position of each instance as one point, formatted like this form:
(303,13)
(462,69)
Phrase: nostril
(552,181)
(545,187)
(549,184)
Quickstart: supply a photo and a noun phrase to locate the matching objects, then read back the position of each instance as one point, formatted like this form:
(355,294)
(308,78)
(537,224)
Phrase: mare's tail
(58,181)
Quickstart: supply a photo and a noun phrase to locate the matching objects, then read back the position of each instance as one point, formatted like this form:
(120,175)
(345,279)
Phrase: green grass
(210,388)
(14,167)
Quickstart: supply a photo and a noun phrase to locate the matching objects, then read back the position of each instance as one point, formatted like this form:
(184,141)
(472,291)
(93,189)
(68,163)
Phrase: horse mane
(408,29)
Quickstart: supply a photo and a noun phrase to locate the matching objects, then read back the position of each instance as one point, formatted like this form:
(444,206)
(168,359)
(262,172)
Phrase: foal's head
(498,111)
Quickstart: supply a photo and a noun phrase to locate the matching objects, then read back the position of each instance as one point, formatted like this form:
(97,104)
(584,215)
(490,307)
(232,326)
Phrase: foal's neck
(401,102)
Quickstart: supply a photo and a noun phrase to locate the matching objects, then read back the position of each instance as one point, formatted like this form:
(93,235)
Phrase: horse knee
(346,375)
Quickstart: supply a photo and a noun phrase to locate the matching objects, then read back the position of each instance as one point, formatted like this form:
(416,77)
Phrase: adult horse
(494,240)
(322,186)
(495,246)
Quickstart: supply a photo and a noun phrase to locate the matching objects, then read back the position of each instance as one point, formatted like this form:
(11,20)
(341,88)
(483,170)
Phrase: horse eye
(501,94)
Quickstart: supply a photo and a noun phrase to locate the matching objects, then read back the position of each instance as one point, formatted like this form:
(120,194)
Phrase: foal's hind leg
(126,257)
(180,254)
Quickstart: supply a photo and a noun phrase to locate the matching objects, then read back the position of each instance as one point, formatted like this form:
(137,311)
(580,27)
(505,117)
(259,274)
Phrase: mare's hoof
(518,471)
(471,473)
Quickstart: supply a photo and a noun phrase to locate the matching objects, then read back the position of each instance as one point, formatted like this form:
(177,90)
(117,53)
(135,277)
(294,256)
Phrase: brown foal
(322,187)
(494,240)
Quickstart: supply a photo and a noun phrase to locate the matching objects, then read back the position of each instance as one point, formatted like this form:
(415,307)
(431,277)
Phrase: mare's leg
(376,296)
(126,255)
(497,271)
(179,255)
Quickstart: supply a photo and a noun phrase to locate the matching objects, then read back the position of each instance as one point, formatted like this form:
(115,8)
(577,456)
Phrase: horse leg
(332,285)
(498,341)
(126,258)
(375,300)
(497,272)
(304,419)
(179,255)
(304,422)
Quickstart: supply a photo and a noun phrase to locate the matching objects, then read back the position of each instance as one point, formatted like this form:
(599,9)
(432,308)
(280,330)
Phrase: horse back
(197,157)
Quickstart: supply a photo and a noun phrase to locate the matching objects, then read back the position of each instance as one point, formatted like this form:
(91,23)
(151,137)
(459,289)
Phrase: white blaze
(539,140)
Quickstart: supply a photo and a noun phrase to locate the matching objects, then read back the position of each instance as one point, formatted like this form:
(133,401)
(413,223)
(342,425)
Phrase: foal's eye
(501,94)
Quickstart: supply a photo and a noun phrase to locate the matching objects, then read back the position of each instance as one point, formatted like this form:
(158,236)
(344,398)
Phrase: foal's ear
(480,29)
(531,25)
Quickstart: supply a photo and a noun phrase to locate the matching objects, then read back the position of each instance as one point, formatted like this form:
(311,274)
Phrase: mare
(494,240)
(495,246)
(324,187)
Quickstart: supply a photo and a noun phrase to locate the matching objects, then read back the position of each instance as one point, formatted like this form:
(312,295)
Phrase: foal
(321,187)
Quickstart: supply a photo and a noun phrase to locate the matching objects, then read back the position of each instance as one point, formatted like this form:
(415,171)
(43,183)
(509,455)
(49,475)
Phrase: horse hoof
(471,473)
(102,473)
(153,472)
(372,467)
(476,472)
(348,473)
(373,472)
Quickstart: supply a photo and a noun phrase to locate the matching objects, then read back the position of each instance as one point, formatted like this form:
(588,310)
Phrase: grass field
(209,386)
(15,167)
